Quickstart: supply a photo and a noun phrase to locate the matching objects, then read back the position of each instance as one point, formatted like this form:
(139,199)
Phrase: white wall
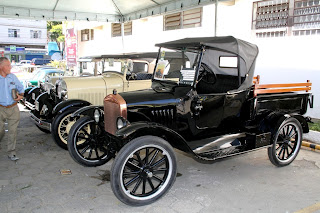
(25,26)
(145,34)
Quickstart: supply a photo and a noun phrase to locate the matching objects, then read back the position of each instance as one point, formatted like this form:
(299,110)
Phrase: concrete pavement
(245,183)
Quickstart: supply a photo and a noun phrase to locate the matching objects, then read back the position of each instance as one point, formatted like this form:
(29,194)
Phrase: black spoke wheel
(86,143)
(143,171)
(286,143)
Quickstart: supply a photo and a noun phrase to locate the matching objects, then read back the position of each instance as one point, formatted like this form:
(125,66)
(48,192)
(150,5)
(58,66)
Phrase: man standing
(11,91)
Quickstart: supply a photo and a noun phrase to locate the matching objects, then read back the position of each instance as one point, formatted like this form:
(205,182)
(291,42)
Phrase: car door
(140,78)
(211,110)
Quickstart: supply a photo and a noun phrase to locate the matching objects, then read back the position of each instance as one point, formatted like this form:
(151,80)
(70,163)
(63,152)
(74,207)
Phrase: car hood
(155,97)
(93,88)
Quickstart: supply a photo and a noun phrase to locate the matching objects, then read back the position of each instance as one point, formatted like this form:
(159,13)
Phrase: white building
(22,39)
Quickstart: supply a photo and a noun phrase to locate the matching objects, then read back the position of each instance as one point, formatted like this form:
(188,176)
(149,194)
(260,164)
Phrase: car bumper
(40,123)
(29,105)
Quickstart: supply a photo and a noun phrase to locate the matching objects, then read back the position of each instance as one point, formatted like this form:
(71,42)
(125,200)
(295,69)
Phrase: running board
(228,145)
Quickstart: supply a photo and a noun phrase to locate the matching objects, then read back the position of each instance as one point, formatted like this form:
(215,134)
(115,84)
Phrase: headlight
(48,87)
(61,89)
(121,122)
(96,115)
(29,84)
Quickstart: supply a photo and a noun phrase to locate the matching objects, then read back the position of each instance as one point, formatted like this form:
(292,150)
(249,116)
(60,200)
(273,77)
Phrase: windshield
(178,67)
(39,75)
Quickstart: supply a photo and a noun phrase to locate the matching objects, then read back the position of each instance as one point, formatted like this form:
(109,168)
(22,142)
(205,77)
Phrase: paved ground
(246,183)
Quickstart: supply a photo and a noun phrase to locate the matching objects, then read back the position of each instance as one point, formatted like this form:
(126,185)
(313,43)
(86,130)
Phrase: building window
(277,18)
(182,20)
(87,34)
(15,33)
(35,33)
(116,29)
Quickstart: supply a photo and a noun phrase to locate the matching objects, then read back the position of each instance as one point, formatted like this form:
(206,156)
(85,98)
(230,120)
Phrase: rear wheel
(286,143)
(87,145)
(143,171)
(61,126)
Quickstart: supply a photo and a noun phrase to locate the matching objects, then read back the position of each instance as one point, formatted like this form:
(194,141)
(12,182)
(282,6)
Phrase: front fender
(33,89)
(62,106)
(138,129)
(88,110)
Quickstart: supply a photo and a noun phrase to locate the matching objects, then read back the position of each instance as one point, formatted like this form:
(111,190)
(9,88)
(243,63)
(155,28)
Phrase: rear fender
(138,129)
(73,103)
(303,121)
(272,122)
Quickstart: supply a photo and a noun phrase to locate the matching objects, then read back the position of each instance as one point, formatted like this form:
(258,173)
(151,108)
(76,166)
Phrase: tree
(56,34)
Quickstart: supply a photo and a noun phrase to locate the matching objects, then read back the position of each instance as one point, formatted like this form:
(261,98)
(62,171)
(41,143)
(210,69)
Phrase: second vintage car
(52,105)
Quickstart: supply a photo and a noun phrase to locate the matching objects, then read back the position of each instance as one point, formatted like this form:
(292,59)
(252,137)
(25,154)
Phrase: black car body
(204,105)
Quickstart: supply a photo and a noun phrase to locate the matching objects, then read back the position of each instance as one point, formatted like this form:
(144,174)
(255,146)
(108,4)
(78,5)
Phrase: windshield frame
(196,65)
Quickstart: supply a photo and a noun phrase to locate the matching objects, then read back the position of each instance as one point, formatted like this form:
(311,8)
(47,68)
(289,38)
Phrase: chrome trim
(40,123)
(30,105)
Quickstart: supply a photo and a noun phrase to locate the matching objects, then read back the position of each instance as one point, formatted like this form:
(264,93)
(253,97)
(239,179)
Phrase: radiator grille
(114,107)
(93,98)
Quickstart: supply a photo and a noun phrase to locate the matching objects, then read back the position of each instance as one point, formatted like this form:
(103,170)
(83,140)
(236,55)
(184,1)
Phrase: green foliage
(315,126)
(50,24)
(56,33)
(58,64)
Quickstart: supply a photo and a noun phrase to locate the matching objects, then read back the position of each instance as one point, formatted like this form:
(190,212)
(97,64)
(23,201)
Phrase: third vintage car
(204,104)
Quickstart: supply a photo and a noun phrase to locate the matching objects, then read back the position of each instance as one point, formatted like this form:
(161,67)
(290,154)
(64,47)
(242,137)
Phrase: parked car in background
(40,61)
(41,74)
(55,102)
(211,109)
(25,62)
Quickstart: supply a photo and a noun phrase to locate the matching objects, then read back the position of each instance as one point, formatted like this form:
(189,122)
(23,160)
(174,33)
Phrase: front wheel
(286,143)
(61,126)
(87,145)
(143,171)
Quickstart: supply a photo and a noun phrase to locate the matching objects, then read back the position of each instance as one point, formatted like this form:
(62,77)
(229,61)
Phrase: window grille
(186,19)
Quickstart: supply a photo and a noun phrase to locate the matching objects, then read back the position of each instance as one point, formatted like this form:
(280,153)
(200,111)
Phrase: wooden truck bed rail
(279,88)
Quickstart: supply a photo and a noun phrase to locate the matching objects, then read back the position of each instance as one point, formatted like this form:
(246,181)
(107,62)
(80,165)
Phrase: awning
(95,10)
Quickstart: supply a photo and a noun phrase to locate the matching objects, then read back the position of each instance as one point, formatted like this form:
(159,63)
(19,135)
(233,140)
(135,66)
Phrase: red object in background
(2,53)
(71,48)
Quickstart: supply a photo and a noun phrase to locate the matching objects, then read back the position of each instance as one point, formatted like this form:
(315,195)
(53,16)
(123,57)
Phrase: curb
(310,145)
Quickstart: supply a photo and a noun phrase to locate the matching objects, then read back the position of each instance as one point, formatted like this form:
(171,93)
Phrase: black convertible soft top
(247,51)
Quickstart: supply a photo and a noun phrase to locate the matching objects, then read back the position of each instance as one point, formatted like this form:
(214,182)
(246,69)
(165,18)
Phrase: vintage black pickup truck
(205,104)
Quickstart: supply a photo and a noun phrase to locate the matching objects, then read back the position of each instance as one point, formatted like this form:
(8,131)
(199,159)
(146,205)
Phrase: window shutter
(128,28)
(172,21)
(116,29)
(192,18)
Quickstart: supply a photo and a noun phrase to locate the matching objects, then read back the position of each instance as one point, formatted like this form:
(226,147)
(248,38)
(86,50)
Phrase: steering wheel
(206,74)
(131,76)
